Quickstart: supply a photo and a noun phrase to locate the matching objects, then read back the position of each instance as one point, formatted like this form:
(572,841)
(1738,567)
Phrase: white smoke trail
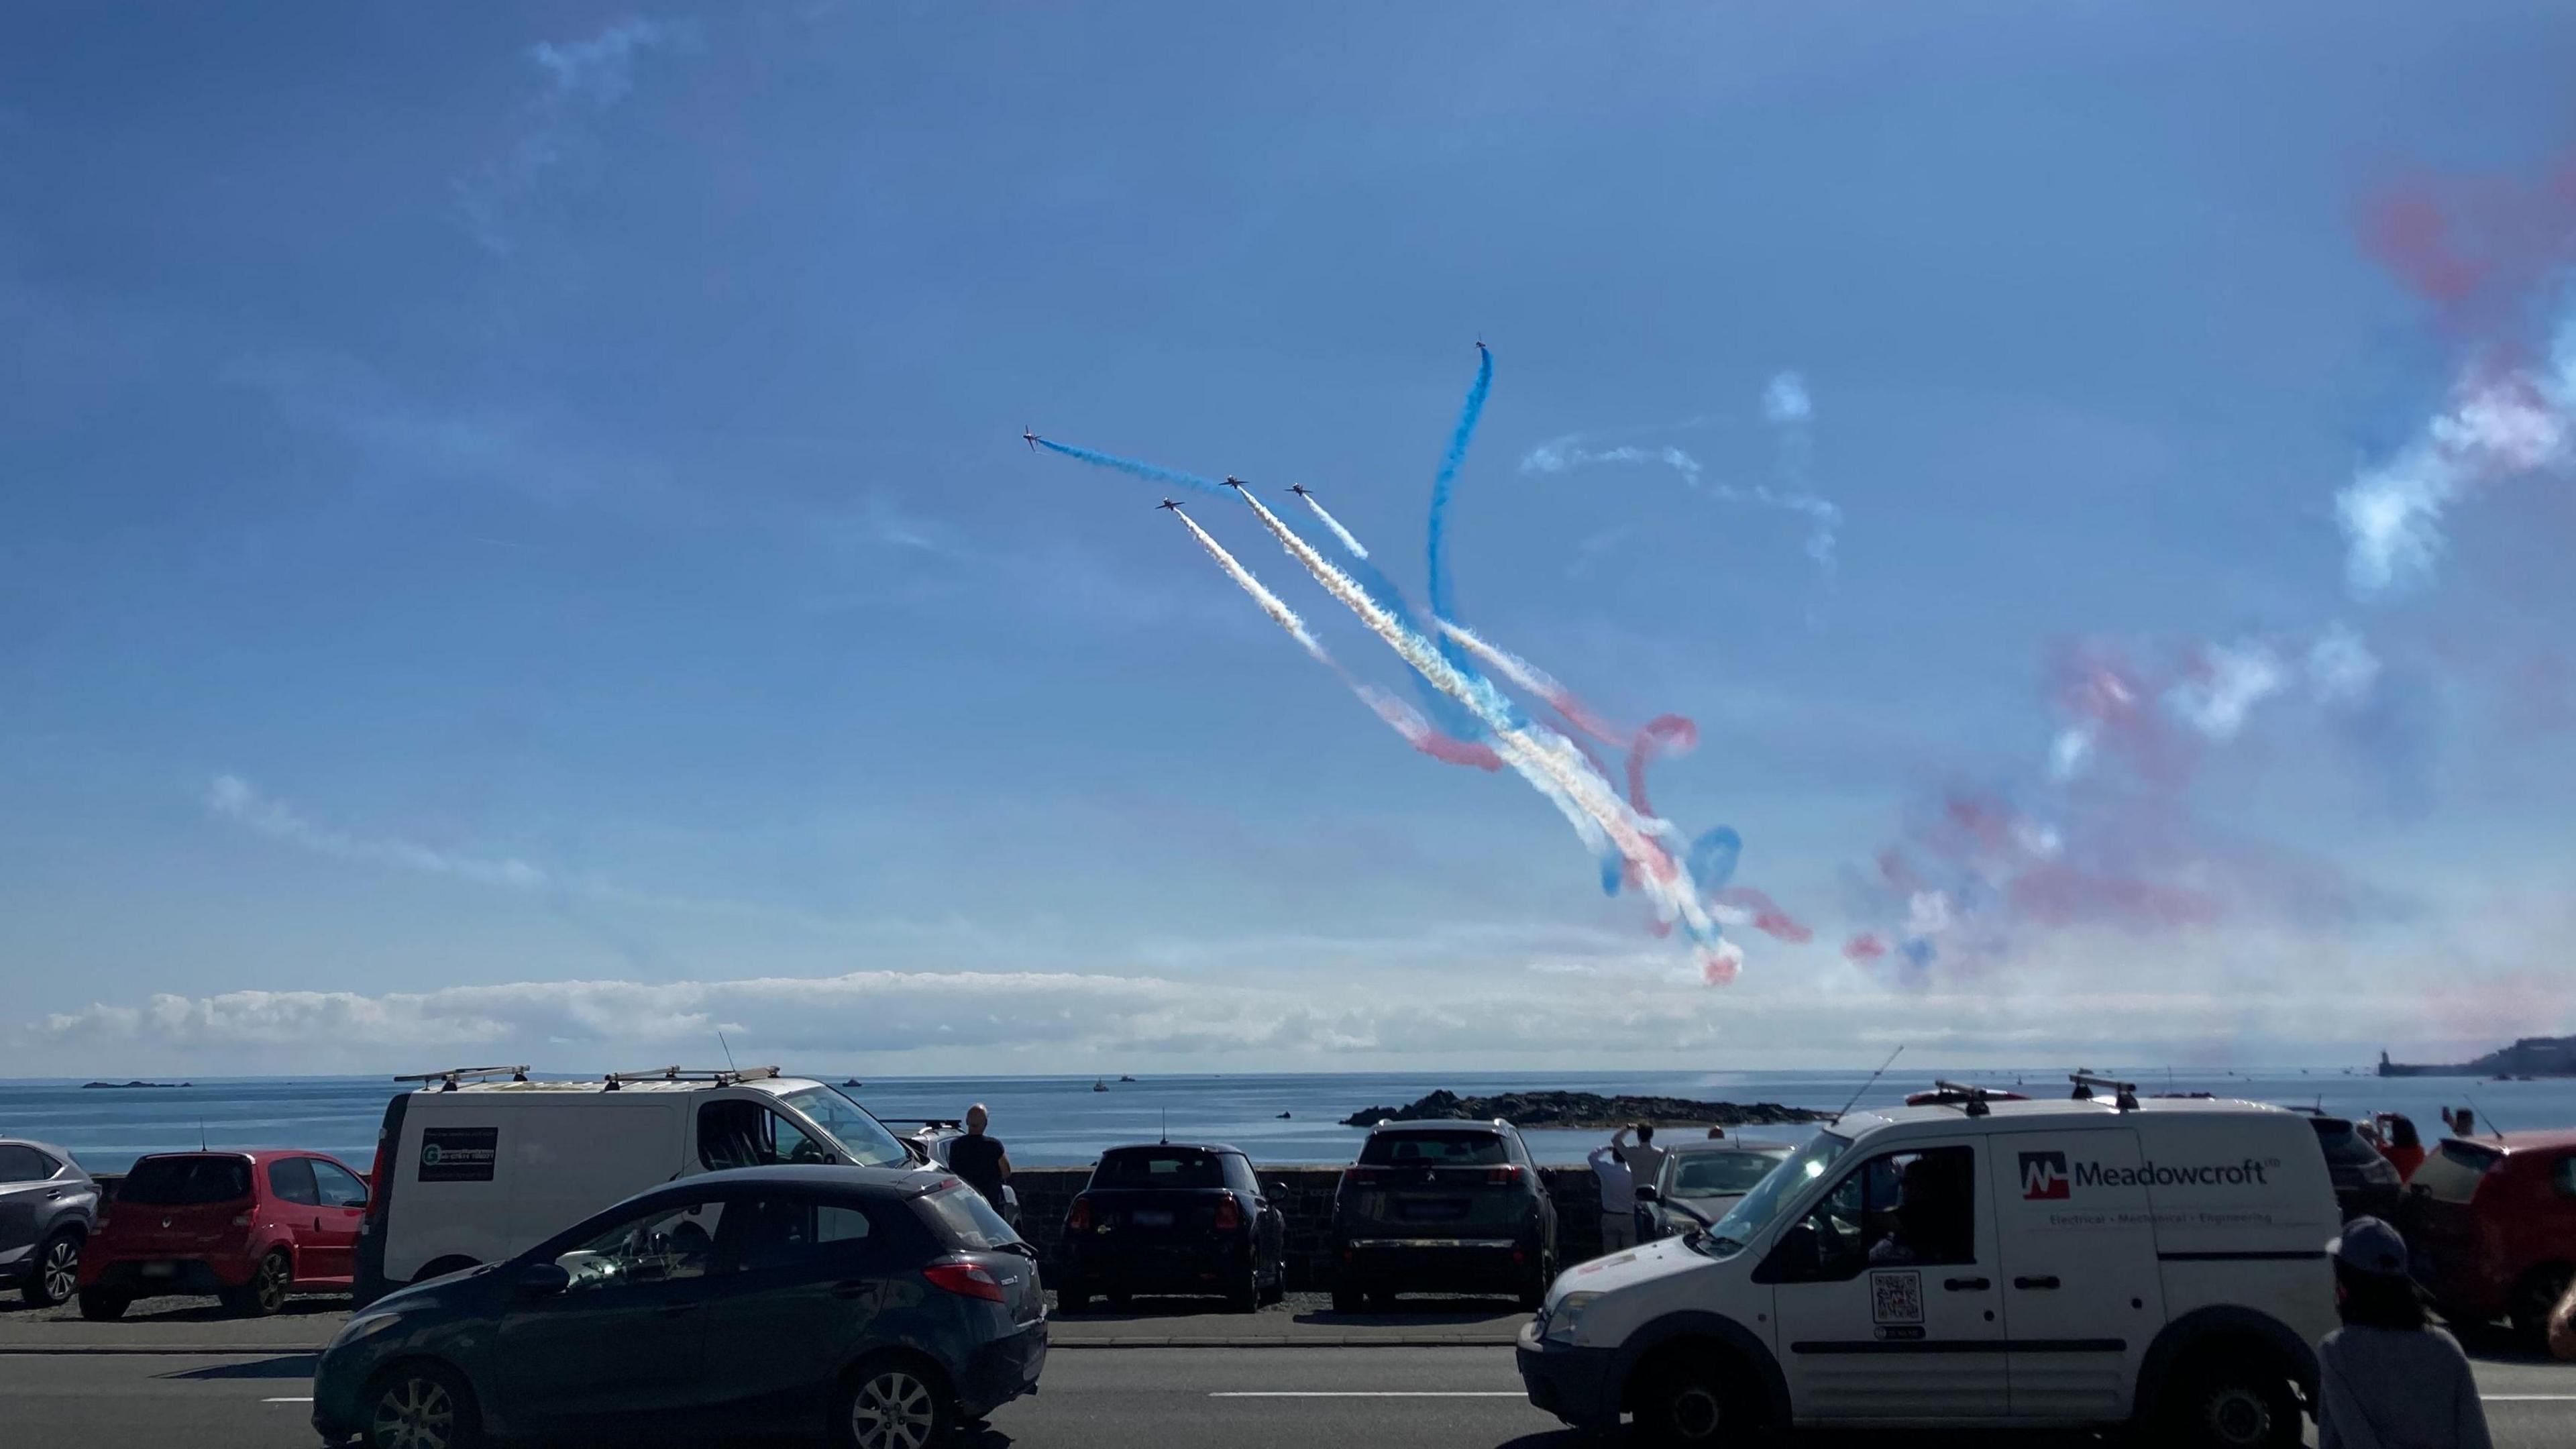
(1335,524)
(1547,760)
(1504,662)
(1271,604)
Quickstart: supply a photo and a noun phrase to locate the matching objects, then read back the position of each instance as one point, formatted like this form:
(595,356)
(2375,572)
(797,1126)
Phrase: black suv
(1174,1217)
(1454,1207)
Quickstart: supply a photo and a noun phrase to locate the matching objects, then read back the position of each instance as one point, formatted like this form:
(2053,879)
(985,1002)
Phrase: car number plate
(1151,1218)
(1436,1211)
(160,1270)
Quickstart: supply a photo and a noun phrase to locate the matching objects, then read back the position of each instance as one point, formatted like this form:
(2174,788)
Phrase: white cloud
(1786,400)
(2341,668)
(2232,679)
(234,798)
(583,80)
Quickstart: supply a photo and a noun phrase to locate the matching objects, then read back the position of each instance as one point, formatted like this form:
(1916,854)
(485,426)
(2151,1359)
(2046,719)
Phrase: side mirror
(541,1280)
(1648,1194)
(1279,1189)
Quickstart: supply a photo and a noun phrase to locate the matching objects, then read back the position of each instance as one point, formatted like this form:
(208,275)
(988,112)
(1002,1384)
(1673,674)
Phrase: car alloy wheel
(268,1290)
(58,1272)
(893,1409)
(414,1412)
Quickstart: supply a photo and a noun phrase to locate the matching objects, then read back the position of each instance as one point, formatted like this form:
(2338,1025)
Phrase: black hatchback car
(1173,1218)
(878,1308)
(1442,1207)
(2364,1181)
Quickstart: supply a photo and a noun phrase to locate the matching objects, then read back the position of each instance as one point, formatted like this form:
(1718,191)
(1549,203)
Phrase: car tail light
(1503,1174)
(966,1280)
(1365,1175)
(1229,1214)
(1078,1218)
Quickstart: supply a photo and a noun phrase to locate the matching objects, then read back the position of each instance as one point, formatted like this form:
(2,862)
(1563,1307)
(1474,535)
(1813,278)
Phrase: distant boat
(854,1082)
(1283,1117)
(1101,1085)
(123,1086)
(1126,1079)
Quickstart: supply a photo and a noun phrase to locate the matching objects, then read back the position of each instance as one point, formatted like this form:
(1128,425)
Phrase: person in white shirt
(1645,1160)
(1618,1199)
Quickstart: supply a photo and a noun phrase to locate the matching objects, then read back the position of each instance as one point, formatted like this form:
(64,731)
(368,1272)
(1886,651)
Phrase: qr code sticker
(1896,1297)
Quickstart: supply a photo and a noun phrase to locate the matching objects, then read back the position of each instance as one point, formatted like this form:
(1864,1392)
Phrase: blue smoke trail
(1712,858)
(1444,601)
(1148,471)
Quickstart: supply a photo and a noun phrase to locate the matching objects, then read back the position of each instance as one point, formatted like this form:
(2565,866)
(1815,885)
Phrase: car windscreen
(185,1181)
(1715,1174)
(1754,1211)
(1158,1167)
(861,1136)
(963,1219)
(1434,1149)
(2453,1171)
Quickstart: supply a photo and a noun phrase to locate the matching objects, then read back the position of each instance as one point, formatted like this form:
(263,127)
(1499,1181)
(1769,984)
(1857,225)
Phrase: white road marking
(1371,1393)
(305,1400)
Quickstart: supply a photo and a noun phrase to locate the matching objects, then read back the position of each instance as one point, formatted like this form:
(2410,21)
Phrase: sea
(1279,1118)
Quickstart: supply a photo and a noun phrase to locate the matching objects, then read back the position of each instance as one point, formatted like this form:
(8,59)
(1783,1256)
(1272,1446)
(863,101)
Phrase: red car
(2494,1223)
(248,1227)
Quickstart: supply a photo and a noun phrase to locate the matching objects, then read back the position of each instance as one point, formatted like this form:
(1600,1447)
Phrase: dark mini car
(48,1209)
(1173,1217)
(2494,1227)
(2365,1182)
(880,1308)
(247,1227)
(1442,1207)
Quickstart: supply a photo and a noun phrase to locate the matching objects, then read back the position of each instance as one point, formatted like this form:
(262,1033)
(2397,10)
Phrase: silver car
(1699,1182)
(48,1207)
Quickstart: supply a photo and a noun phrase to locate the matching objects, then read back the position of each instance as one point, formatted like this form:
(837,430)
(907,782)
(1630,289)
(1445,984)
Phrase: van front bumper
(1575,1384)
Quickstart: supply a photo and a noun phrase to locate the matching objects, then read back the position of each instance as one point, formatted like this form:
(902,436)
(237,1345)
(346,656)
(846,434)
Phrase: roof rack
(720,1076)
(453,1075)
(2126,1099)
(1971,1099)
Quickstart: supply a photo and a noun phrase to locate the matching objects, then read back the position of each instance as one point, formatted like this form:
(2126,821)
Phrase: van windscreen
(861,1135)
(1434,1149)
(185,1181)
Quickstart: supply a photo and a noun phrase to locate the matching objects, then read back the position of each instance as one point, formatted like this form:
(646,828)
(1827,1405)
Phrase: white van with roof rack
(1975,1263)
(477,1163)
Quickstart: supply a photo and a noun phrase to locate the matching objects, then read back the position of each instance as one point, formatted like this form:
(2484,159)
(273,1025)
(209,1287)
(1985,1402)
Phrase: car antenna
(2492,1130)
(728,1049)
(201,1131)
(1167,1127)
(1873,1081)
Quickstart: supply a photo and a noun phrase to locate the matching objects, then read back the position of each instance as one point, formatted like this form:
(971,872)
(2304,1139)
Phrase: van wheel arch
(1712,1334)
(2223,1334)
(441,1267)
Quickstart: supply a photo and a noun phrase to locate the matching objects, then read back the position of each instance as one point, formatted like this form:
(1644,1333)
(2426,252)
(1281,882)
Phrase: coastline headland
(1585,1111)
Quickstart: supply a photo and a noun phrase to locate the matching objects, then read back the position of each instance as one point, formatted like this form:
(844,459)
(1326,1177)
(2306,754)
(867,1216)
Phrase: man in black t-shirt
(978,1160)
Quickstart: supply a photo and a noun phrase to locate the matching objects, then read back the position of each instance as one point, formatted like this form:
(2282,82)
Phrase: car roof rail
(1972,1099)
(2126,1099)
(454,1075)
(714,1076)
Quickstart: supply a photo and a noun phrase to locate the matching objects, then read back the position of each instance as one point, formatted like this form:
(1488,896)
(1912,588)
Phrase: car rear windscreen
(1713,1174)
(964,1220)
(1434,1149)
(1158,1167)
(2454,1170)
(181,1181)
(2343,1146)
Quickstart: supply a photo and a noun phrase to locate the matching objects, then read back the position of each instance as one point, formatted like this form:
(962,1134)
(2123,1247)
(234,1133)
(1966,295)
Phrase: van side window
(291,1179)
(747,1134)
(1896,1208)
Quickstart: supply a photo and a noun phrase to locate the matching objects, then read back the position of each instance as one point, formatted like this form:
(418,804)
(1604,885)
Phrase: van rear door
(2082,1297)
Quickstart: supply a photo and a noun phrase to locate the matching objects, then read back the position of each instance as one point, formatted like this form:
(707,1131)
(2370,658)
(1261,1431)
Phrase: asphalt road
(1294,1398)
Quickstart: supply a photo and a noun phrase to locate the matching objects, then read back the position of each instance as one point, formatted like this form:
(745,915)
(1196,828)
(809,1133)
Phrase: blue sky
(514,532)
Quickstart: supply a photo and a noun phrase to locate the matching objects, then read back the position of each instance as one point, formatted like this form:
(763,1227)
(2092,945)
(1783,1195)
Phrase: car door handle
(1967,1285)
(854,1290)
(674,1310)
(2050,1281)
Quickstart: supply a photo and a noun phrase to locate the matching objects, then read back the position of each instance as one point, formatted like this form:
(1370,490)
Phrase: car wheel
(2536,1297)
(1245,1297)
(53,1274)
(1072,1299)
(895,1404)
(265,1293)
(99,1305)
(2237,1405)
(1688,1400)
(420,1406)
(1533,1293)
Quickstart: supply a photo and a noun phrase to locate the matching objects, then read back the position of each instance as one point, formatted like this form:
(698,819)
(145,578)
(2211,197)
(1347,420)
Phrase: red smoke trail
(1768,917)
(1862,949)
(1664,733)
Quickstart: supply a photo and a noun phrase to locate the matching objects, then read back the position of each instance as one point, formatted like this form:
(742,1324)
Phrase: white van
(480,1163)
(1975,1264)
